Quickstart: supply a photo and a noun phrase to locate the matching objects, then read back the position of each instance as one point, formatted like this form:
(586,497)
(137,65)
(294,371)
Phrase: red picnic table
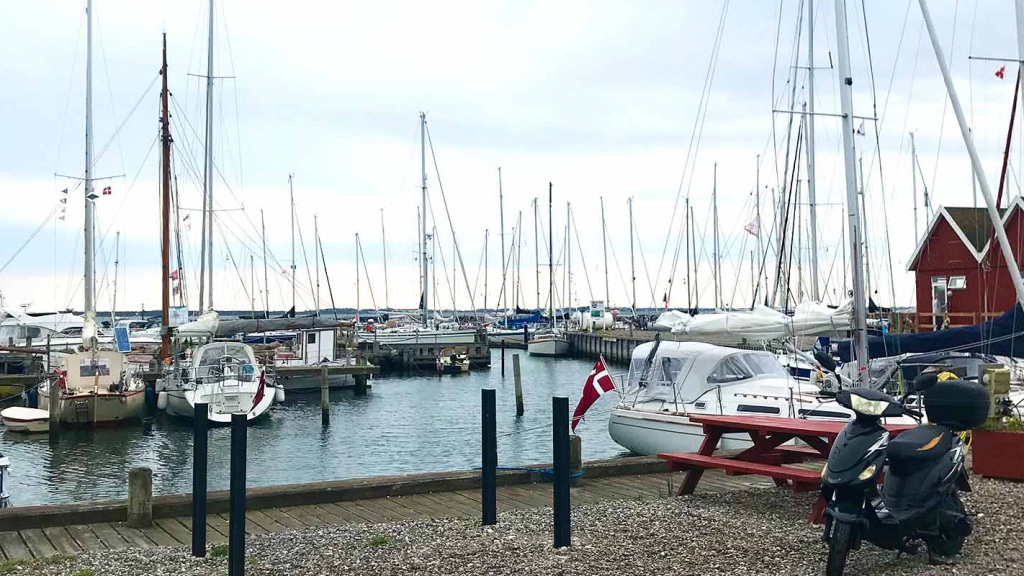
(768,454)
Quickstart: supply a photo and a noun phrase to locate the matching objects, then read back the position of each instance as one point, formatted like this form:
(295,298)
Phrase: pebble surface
(756,531)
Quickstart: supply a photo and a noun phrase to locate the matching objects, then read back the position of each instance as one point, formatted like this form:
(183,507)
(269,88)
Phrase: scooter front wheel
(839,548)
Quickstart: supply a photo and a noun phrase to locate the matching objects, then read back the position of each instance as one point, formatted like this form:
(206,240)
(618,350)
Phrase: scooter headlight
(867,473)
(867,407)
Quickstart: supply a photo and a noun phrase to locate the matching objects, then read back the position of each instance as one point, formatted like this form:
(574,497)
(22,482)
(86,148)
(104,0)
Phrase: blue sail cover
(1001,336)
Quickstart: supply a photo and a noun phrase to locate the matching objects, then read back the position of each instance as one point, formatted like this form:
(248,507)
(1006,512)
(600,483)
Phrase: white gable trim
(1017,204)
(942,213)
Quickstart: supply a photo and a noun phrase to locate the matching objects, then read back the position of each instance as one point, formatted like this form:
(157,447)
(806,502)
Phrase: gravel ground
(758,531)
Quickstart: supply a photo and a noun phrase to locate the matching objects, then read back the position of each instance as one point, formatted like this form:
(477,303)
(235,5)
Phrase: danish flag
(598,383)
(107,191)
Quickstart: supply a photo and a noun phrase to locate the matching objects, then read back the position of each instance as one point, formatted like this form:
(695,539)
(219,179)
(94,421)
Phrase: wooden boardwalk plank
(399,511)
(38,543)
(177,530)
(264,521)
(528,495)
(216,533)
(459,505)
(85,538)
(134,537)
(61,540)
(159,537)
(14,547)
(380,509)
(324,516)
(109,536)
(365,514)
(283,519)
(219,524)
(342,513)
(251,528)
(301,514)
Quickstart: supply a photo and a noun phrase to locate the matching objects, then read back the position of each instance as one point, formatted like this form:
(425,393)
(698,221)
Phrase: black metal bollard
(560,446)
(489,480)
(200,439)
(236,512)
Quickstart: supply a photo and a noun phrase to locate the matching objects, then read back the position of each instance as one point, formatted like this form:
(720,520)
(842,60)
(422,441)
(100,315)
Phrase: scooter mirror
(826,361)
(924,382)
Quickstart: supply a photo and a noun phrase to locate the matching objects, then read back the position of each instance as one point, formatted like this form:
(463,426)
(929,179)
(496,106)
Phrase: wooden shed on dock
(961,275)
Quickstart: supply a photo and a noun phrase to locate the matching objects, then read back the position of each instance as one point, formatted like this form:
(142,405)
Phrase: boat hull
(28,420)
(312,383)
(548,347)
(181,403)
(649,433)
(96,409)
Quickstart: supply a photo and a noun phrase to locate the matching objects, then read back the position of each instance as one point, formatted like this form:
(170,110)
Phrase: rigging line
(42,225)
(131,187)
(330,291)
(234,86)
(369,284)
(67,98)
(590,289)
(479,267)
(945,102)
(231,257)
(643,260)
(501,291)
(110,94)
(701,105)
(309,273)
(455,240)
(622,279)
(878,150)
(125,121)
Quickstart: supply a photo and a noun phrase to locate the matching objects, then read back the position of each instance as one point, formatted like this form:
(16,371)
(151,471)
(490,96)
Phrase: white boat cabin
(311,347)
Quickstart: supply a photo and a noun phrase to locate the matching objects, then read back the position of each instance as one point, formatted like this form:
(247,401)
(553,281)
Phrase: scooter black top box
(959,404)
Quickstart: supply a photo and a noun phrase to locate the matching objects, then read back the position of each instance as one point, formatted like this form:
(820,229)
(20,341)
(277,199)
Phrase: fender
(846,517)
(963,482)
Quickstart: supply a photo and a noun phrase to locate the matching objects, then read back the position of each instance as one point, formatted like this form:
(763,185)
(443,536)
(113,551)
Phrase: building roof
(971,225)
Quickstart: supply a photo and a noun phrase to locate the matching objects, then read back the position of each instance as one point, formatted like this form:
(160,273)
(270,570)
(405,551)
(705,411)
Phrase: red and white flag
(752,227)
(107,191)
(1001,72)
(259,391)
(598,383)
(174,274)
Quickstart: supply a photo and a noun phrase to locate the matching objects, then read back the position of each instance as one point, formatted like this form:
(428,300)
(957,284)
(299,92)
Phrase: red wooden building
(961,275)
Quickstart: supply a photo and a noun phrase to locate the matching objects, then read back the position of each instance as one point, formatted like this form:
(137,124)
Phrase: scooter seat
(921,443)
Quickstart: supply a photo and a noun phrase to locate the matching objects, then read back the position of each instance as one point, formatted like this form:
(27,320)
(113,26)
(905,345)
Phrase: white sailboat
(95,387)
(552,342)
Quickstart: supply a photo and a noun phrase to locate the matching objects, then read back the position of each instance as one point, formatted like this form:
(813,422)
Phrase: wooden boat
(19,419)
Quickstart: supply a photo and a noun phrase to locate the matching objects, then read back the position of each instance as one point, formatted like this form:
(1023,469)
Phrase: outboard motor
(920,498)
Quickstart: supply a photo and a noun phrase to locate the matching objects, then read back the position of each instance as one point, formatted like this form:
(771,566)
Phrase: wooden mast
(165,217)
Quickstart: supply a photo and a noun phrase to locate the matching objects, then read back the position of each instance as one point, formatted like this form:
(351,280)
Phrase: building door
(939,301)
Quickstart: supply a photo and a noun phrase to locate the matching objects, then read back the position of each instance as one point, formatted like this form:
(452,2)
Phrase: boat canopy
(209,325)
(682,371)
(761,323)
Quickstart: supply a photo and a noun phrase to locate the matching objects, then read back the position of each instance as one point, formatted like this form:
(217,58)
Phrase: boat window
(731,369)
(753,409)
(670,368)
(764,364)
(212,354)
(824,414)
(311,338)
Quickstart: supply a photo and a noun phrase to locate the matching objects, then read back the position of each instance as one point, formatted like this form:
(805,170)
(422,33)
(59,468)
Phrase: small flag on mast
(1001,72)
(107,191)
(598,383)
(752,227)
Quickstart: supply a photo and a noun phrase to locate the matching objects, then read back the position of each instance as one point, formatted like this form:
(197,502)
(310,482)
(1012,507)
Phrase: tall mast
(689,280)
(266,283)
(632,261)
(291,198)
(252,284)
(501,216)
(208,170)
(486,235)
(757,216)
(357,281)
(89,328)
(811,200)
(860,343)
(384,249)
(316,263)
(717,270)
(993,210)
(568,254)
(696,262)
(165,216)
(519,258)
(864,231)
(536,250)
(423,202)
(551,259)
(117,262)
(604,249)
(913,178)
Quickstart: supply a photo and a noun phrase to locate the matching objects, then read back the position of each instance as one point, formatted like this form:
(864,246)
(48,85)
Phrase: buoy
(161,400)
(279,395)
(159,385)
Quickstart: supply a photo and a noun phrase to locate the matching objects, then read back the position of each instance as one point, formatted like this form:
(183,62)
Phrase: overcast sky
(599,98)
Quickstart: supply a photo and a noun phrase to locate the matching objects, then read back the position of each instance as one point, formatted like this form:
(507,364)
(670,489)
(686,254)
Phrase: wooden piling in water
(325,398)
(519,385)
(575,460)
(140,498)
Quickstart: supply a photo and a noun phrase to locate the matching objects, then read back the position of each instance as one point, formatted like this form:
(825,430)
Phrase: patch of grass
(251,561)
(219,551)
(84,572)
(380,541)
(9,566)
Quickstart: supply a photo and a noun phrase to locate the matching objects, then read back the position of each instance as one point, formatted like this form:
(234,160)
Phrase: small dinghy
(5,476)
(19,419)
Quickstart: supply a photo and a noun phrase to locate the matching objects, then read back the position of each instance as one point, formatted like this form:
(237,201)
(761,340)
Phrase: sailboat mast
(913,178)
(165,216)
(266,283)
(291,198)
(568,253)
(487,233)
(536,251)
(604,249)
(689,280)
(551,258)
(860,343)
(811,199)
(423,201)
(384,249)
(757,216)
(864,230)
(632,261)
(501,216)
(717,270)
(208,170)
(316,263)
(358,311)
(117,262)
(89,330)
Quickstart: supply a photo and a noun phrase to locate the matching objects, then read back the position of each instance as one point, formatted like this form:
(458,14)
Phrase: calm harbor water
(410,423)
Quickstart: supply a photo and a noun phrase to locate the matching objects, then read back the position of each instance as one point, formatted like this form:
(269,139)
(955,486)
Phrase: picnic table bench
(769,453)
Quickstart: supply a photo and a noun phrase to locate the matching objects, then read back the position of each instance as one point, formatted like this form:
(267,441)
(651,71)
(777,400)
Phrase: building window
(957,283)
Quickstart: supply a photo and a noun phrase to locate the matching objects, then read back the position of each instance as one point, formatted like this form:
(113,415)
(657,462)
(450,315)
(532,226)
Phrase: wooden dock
(38,543)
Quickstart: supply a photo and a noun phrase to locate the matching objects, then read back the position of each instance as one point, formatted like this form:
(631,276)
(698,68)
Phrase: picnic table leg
(707,448)
(818,512)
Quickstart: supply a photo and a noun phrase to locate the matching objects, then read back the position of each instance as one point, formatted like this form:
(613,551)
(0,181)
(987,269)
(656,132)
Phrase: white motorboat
(684,378)
(548,344)
(312,349)
(219,374)
(94,388)
(5,481)
(20,419)
(452,361)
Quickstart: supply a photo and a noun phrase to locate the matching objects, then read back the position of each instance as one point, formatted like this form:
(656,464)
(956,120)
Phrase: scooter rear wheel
(839,548)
